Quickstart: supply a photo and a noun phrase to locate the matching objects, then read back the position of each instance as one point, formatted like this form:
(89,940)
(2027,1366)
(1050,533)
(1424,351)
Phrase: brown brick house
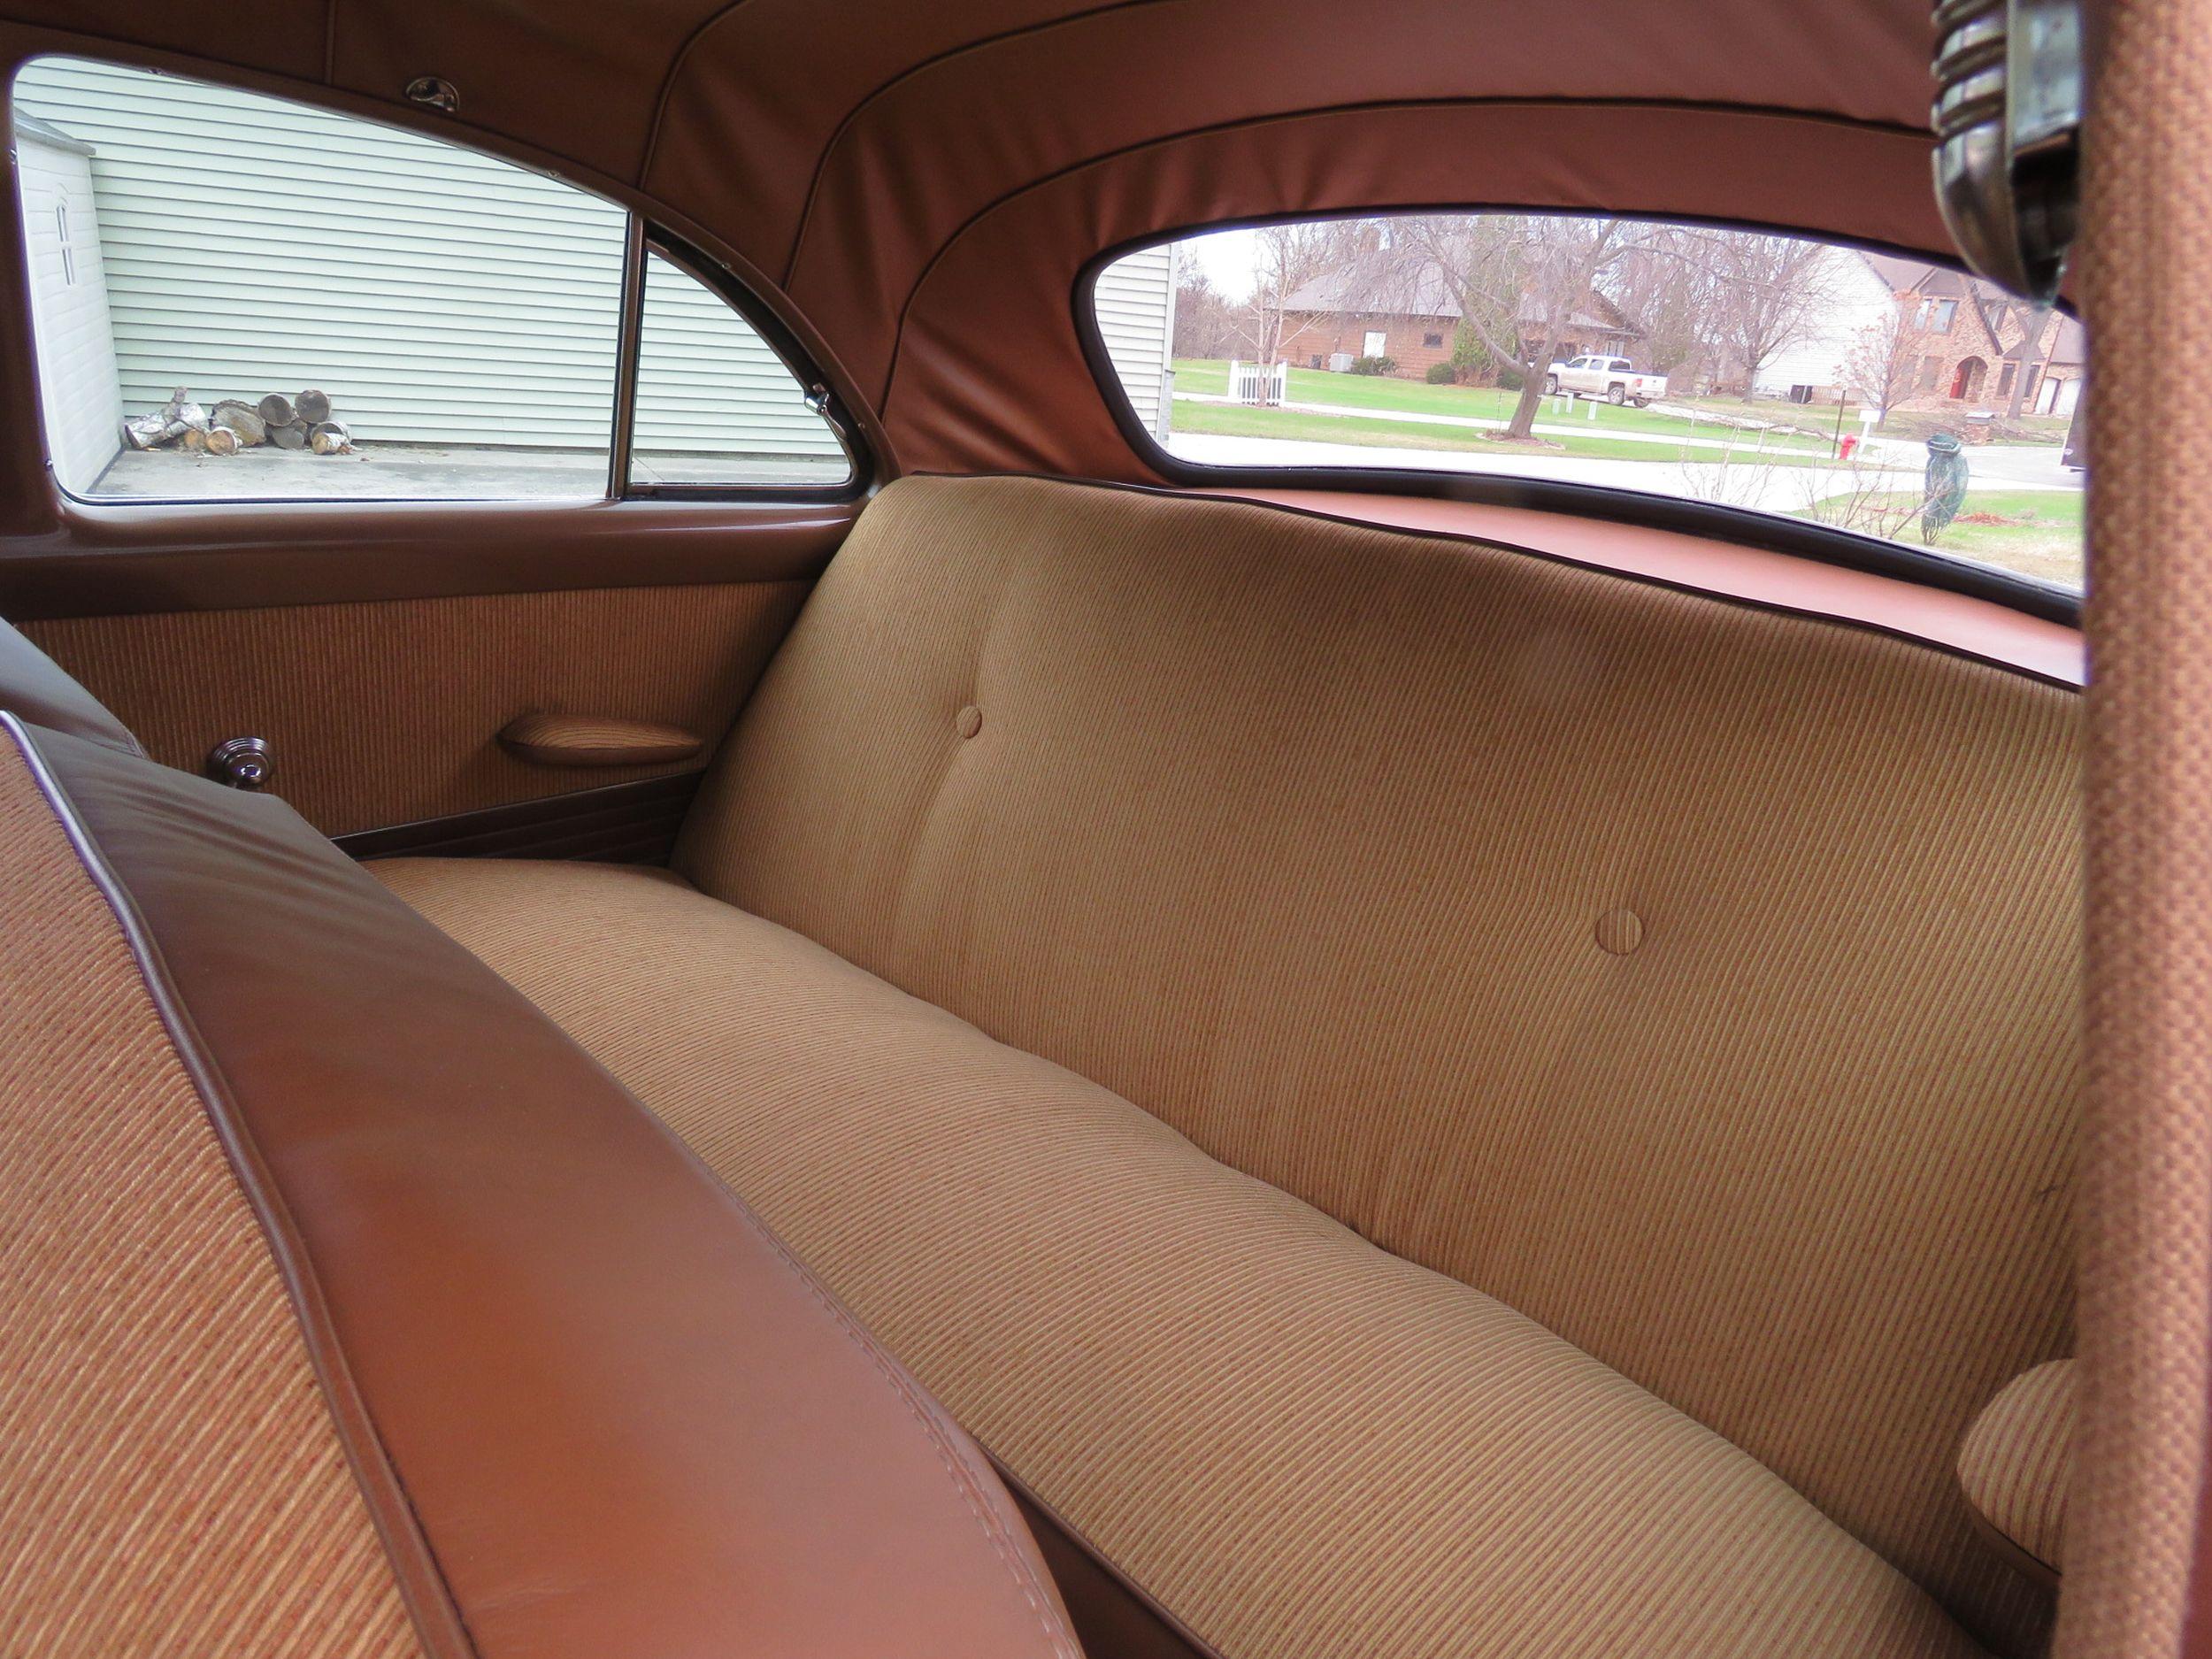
(1333,316)
(1966,345)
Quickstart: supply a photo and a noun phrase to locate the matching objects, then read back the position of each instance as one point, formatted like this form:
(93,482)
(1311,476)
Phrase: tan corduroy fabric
(1303,1446)
(2018,1461)
(170,1479)
(2133,1529)
(388,712)
(1310,838)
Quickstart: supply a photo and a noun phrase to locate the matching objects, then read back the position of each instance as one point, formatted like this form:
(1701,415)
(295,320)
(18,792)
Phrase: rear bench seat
(1420,1099)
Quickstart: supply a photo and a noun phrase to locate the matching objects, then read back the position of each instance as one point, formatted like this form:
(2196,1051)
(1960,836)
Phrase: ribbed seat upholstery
(1514,947)
(1302,1444)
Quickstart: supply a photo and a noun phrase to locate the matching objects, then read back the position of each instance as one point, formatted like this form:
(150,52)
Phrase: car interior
(1222,828)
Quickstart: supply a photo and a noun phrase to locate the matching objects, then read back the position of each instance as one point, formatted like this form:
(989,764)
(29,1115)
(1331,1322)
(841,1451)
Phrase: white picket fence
(1266,384)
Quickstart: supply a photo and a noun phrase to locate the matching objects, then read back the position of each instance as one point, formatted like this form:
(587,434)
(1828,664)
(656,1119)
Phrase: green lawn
(1237,420)
(2038,532)
(1210,377)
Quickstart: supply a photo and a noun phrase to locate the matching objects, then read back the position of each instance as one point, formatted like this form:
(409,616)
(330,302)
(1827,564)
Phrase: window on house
(66,246)
(1432,340)
(1820,407)
(1936,316)
(251,299)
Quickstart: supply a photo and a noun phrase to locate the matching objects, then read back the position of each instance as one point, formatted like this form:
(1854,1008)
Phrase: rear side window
(238,297)
(715,405)
(1778,375)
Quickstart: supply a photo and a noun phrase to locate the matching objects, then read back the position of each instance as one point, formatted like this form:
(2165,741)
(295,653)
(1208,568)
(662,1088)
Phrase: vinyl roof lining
(986,373)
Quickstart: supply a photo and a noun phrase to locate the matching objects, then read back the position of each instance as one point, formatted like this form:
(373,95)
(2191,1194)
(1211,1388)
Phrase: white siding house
(82,405)
(1859,302)
(1135,300)
(440,297)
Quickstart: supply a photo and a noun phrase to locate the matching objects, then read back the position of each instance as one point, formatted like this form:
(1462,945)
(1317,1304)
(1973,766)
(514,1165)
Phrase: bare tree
(1667,283)
(2035,325)
(1518,281)
(1202,324)
(1289,257)
(1998,312)
(1879,366)
(1773,290)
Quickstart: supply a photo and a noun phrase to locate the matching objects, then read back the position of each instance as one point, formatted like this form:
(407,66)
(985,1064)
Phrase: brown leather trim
(429,1600)
(623,1416)
(110,561)
(34,687)
(1113,1616)
(620,824)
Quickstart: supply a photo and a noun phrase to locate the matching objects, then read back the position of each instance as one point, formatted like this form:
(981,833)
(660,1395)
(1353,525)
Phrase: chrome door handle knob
(243,763)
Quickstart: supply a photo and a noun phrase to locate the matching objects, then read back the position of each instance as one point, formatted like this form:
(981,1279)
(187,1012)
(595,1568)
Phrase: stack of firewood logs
(289,423)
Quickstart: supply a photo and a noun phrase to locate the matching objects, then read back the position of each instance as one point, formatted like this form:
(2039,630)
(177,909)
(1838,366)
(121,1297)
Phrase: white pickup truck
(1609,378)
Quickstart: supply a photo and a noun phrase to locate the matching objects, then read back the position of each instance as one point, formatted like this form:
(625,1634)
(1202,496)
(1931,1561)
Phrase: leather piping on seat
(429,1598)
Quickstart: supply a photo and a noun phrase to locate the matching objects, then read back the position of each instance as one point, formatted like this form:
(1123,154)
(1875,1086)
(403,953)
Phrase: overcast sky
(1227,255)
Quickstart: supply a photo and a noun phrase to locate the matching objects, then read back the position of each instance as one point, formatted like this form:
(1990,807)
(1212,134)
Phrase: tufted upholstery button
(969,721)
(1620,931)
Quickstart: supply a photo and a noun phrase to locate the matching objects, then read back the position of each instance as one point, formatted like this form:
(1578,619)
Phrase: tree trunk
(1532,372)
(2031,354)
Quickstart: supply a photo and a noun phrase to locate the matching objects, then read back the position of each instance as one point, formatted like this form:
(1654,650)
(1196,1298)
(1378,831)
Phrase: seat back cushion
(1696,979)
(170,1478)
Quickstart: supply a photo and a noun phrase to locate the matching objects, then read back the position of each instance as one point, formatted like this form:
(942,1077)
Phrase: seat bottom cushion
(1297,1443)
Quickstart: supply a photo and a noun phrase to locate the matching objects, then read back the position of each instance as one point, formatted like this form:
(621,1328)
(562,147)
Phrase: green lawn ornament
(1946,486)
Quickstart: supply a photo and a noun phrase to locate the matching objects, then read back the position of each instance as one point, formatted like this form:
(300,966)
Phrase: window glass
(1887,396)
(715,405)
(195,250)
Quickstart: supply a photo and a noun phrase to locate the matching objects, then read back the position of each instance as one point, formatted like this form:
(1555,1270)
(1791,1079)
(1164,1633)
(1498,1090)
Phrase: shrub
(1470,356)
(1509,378)
(1442,375)
(1374,365)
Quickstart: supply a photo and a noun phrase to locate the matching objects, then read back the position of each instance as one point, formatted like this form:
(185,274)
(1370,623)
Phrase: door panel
(389,712)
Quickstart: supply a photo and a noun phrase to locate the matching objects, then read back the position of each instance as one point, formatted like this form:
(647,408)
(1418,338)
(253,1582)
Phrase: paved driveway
(397,472)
